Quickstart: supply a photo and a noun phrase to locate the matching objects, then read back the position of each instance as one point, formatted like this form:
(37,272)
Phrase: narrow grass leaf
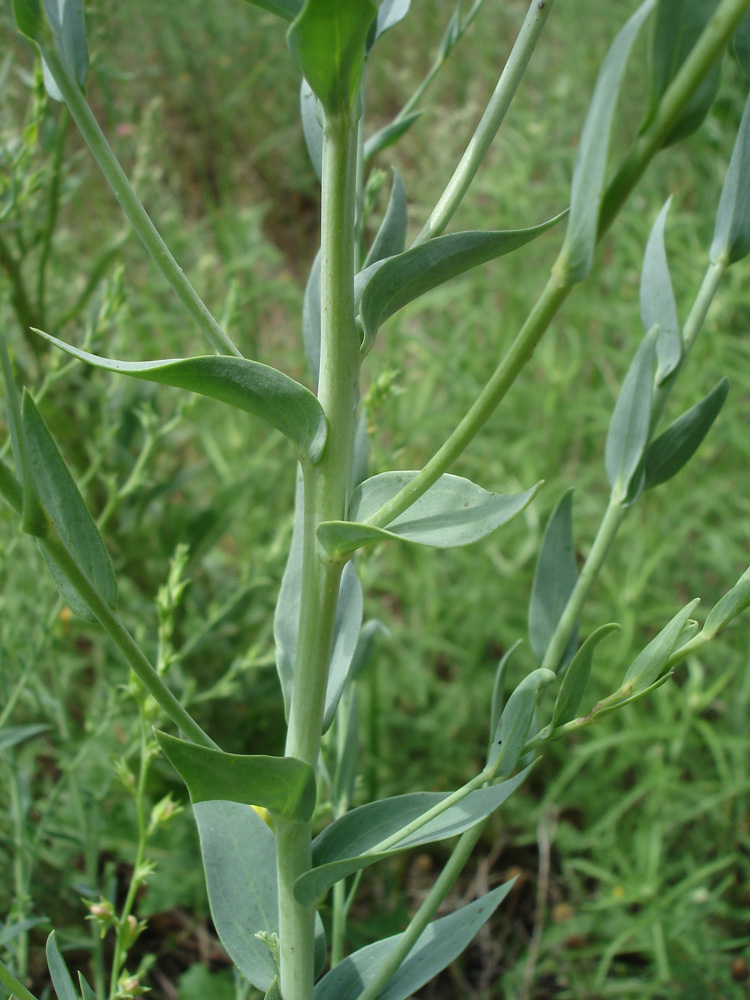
(265,392)
(676,446)
(288,9)
(389,134)
(346,635)
(678,26)
(408,275)
(577,254)
(651,662)
(311,320)
(732,232)
(327,40)
(86,992)
(576,678)
(440,943)
(498,688)
(554,580)
(11,736)
(515,722)
(658,306)
(77,529)
(390,239)
(58,971)
(311,127)
(627,436)
(733,603)
(285,785)
(239,859)
(741,44)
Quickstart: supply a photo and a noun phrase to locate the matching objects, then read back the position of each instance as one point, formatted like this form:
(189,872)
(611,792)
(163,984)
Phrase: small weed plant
(284,837)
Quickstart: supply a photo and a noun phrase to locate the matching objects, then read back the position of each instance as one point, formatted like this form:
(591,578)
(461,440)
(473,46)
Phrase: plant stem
(492,119)
(131,205)
(327,486)
(53,205)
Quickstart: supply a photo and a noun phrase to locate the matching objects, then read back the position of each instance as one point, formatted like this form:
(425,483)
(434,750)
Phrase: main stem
(327,486)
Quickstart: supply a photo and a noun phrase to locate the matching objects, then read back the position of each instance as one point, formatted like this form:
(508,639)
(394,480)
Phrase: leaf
(58,971)
(733,603)
(732,232)
(741,44)
(498,689)
(286,616)
(9,932)
(76,527)
(311,319)
(33,518)
(11,736)
(676,446)
(274,991)
(346,846)
(390,13)
(347,752)
(577,254)
(285,785)
(658,306)
(29,19)
(554,580)
(10,489)
(677,27)
(440,943)
(627,436)
(346,634)
(651,662)
(68,23)
(389,134)
(311,127)
(366,646)
(248,385)
(327,40)
(408,275)
(391,237)
(239,859)
(452,512)
(576,678)
(288,9)
(515,722)
(86,992)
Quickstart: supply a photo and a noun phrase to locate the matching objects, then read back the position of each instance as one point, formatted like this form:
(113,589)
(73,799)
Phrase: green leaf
(239,859)
(389,134)
(554,580)
(347,751)
(248,385)
(29,19)
(577,254)
(515,722)
(86,992)
(274,991)
(77,529)
(9,932)
(58,971)
(286,616)
(440,943)
(576,678)
(628,432)
(11,736)
(68,23)
(405,277)
(677,27)
(452,512)
(288,9)
(10,489)
(345,637)
(498,689)
(390,13)
(285,785)
(327,40)
(33,519)
(391,237)
(311,319)
(676,446)
(651,663)
(732,233)
(346,846)
(741,44)
(733,603)
(658,306)
(312,128)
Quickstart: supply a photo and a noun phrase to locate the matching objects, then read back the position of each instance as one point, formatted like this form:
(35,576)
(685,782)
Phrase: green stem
(338,927)
(53,205)
(131,205)
(19,297)
(14,985)
(492,119)
(453,868)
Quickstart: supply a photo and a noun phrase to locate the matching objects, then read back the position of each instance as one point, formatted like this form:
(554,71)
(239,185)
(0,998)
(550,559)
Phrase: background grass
(646,817)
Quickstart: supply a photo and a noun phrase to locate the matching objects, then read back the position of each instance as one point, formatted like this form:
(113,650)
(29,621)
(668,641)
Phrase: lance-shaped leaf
(288,9)
(86,992)
(676,446)
(311,319)
(733,603)
(21,496)
(10,489)
(577,254)
(347,845)
(274,991)
(678,25)
(11,736)
(452,512)
(555,577)
(286,616)
(285,785)
(651,663)
(441,943)
(60,23)
(627,436)
(498,689)
(658,306)
(391,237)
(29,18)
(405,277)
(346,635)
(390,13)
(311,126)
(58,971)
(732,233)
(248,385)
(389,134)
(327,40)
(576,678)
(741,44)
(515,722)
(77,529)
